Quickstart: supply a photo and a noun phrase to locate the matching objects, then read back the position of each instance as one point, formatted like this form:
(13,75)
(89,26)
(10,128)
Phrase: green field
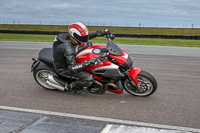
(116,30)
(119,40)
(119,30)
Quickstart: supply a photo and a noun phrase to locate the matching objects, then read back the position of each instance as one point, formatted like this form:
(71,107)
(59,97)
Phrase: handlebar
(103,55)
(102,58)
(110,36)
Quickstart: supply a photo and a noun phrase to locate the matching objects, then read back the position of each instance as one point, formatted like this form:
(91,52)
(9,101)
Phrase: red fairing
(116,91)
(87,54)
(133,73)
(121,59)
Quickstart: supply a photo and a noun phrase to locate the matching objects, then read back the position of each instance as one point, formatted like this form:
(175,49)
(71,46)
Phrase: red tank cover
(88,53)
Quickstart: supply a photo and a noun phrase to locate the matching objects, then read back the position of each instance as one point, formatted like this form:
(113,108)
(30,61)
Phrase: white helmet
(78,33)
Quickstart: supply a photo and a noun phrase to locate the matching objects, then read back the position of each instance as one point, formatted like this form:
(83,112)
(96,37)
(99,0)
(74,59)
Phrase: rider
(65,48)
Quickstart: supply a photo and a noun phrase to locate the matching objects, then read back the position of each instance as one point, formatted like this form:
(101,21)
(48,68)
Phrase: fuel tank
(119,57)
(91,52)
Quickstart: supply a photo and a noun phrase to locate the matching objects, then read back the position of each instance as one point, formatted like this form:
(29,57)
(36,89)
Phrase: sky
(133,13)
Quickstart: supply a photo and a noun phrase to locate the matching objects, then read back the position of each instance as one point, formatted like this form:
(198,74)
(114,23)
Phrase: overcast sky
(148,13)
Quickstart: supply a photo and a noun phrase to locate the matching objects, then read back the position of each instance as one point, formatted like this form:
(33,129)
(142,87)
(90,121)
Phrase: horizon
(127,13)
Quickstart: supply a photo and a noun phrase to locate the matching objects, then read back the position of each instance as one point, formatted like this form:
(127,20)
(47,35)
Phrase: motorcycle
(114,72)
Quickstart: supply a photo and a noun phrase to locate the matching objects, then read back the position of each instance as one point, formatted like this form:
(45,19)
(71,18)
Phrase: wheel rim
(42,77)
(145,87)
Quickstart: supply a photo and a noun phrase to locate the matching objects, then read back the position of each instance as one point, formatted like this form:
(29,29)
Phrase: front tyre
(147,85)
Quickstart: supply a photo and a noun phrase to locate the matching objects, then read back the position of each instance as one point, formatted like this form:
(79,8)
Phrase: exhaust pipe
(51,79)
(101,89)
(112,85)
(51,82)
(55,85)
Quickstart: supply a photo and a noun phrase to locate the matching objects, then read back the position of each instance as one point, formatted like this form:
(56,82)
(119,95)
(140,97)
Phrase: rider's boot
(72,87)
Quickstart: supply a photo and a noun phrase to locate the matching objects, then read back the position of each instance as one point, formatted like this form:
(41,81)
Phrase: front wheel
(147,85)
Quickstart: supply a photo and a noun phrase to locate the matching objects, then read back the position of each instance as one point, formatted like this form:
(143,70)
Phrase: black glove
(111,36)
(103,32)
(93,61)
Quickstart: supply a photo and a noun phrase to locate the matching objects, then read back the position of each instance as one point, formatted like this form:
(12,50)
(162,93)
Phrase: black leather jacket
(64,54)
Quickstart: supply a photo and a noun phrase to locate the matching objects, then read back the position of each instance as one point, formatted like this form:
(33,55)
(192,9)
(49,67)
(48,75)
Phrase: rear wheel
(41,73)
(147,85)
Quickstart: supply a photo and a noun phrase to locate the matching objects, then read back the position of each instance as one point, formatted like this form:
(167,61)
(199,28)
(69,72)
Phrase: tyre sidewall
(150,78)
(41,67)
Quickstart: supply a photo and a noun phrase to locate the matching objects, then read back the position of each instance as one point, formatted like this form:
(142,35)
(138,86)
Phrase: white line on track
(106,129)
(109,120)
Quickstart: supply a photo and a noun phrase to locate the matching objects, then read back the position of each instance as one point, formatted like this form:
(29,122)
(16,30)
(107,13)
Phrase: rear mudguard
(133,73)
(35,64)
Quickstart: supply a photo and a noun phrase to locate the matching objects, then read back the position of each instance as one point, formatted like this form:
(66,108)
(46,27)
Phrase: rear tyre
(147,85)
(41,73)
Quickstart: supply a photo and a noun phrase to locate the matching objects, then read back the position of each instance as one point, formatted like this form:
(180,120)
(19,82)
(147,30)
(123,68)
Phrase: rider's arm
(98,33)
(72,66)
(93,35)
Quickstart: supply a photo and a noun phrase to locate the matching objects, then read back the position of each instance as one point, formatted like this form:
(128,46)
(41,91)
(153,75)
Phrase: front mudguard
(133,73)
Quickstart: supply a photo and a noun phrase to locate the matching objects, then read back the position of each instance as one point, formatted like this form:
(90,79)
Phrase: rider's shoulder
(61,41)
(62,37)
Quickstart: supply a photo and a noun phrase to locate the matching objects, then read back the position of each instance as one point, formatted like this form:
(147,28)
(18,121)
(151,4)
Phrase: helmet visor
(81,38)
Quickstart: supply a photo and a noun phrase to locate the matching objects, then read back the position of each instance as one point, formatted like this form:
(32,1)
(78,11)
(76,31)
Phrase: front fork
(132,76)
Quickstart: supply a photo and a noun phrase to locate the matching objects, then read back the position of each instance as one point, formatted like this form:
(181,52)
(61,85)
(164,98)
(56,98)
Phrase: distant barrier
(117,35)
(159,36)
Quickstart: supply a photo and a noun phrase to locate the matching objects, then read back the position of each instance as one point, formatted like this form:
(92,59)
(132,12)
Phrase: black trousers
(82,79)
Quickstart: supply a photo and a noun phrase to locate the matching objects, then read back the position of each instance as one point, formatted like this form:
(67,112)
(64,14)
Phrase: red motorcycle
(114,72)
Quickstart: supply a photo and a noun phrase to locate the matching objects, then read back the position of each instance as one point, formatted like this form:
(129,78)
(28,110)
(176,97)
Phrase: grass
(119,40)
(116,30)
(26,37)
(153,41)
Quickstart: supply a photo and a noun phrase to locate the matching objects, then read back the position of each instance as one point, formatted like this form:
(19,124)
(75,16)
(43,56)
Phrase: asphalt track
(176,102)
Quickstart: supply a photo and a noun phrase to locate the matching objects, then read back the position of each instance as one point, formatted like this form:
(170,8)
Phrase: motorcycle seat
(46,56)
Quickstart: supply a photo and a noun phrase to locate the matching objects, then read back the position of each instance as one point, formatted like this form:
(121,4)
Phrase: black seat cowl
(46,56)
